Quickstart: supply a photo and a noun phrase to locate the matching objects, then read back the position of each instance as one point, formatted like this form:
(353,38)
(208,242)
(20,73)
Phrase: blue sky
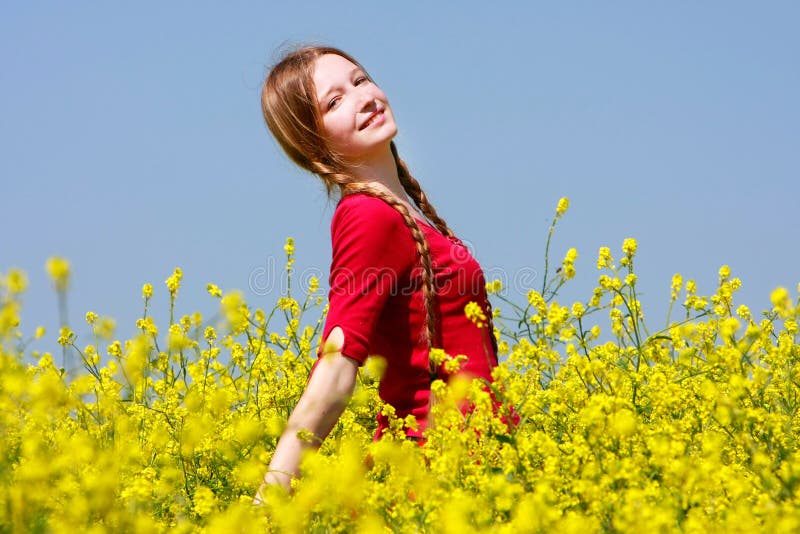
(132,141)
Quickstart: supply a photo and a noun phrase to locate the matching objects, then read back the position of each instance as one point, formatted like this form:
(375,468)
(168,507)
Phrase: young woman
(399,283)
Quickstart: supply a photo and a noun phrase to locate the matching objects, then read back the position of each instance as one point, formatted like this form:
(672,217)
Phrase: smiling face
(355,113)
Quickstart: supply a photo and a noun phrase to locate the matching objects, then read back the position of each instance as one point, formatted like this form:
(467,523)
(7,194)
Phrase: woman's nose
(367,102)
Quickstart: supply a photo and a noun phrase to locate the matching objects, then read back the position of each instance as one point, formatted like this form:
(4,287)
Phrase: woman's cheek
(333,131)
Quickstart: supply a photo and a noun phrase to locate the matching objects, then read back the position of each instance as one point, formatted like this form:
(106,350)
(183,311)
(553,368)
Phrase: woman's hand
(325,398)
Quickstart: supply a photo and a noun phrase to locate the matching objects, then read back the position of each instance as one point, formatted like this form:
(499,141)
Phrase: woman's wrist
(278,478)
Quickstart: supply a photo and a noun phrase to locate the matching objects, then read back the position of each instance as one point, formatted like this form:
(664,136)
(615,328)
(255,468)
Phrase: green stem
(547,253)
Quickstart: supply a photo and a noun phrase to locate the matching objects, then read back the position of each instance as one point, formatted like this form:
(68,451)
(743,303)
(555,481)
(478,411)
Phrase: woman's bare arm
(317,411)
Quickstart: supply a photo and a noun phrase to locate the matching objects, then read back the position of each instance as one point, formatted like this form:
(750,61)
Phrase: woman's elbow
(338,377)
(328,391)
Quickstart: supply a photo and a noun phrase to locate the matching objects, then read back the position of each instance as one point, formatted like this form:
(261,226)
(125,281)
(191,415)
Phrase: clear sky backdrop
(131,142)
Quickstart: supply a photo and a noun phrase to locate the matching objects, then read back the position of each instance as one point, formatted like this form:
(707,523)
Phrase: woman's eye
(334,101)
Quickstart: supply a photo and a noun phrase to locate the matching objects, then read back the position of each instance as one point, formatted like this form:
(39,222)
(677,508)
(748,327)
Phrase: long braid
(414,190)
(428,292)
(332,177)
(416,193)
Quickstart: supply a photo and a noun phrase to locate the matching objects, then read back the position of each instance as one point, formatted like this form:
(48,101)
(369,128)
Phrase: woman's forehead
(333,62)
(330,70)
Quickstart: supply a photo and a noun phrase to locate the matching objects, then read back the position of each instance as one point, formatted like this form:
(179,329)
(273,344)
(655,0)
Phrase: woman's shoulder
(364,201)
(368,211)
(366,230)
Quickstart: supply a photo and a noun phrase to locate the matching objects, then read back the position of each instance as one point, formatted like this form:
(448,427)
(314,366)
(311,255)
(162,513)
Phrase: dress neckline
(426,223)
(429,225)
(419,221)
(452,239)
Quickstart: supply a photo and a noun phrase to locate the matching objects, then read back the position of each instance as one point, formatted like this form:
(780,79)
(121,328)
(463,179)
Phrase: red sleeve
(373,254)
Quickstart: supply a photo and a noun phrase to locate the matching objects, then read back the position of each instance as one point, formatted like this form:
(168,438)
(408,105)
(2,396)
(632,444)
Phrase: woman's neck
(381,171)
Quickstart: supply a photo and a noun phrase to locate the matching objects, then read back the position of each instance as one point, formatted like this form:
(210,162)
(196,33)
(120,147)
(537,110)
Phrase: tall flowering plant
(594,422)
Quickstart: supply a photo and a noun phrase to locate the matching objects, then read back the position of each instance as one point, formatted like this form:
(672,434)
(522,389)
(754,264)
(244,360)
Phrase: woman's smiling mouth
(375,118)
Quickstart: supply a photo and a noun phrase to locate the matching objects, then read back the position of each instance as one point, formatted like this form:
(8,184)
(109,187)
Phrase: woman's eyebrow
(332,87)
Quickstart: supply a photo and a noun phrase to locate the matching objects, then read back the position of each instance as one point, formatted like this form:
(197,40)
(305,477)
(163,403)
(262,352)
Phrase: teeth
(370,121)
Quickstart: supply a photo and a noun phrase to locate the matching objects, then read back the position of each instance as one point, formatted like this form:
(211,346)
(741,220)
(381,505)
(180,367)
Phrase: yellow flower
(204,501)
(502,347)
(622,423)
(728,327)
(17,281)
(289,246)
(724,273)
(59,271)
(147,325)
(568,265)
(629,246)
(177,340)
(452,365)
(235,311)
(563,205)
(475,314)
(437,356)
(313,285)
(495,286)
(91,354)
(677,284)
(213,290)
(147,291)
(536,300)
(780,299)
(174,281)
(115,349)
(65,336)
(411,422)
(375,366)
(287,303)
(105,327)
(791,326)
(210,334)
(155,440)
(604,258)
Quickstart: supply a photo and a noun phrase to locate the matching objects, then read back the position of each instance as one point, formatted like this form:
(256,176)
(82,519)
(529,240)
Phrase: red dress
(376,298)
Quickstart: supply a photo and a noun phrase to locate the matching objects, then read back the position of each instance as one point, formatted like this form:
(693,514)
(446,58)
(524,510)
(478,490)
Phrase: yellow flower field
(603,424)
